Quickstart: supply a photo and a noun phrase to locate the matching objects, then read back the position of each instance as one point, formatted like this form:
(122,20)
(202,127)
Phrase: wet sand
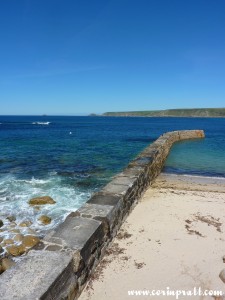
(173,238)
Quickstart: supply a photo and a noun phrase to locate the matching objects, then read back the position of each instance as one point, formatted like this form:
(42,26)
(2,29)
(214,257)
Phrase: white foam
(41,123)
(17,193)
(34,181)
(53,173)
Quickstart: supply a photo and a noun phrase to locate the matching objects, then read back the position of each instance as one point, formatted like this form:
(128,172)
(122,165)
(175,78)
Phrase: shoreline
(191,182)
(172,238)
(190,175)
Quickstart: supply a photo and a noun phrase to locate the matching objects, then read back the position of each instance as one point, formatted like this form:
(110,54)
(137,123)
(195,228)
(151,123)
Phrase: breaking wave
(41,123)
(16,193)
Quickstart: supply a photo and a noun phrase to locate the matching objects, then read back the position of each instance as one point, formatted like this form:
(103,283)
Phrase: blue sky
(77,57)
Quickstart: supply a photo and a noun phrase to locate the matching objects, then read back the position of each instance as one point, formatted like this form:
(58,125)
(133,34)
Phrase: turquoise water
(68,158)
(185,153)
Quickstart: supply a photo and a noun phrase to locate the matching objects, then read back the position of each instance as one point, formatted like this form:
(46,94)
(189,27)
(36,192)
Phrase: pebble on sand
(222,275)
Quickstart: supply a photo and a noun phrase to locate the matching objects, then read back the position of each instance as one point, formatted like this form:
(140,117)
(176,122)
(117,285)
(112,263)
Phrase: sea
(71,157)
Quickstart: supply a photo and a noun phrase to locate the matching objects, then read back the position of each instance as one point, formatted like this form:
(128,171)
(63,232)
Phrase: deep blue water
(71,157)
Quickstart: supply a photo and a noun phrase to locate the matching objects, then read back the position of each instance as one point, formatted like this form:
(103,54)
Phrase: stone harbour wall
(60,265)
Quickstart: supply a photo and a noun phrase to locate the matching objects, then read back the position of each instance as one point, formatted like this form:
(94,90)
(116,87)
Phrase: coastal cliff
(195,112)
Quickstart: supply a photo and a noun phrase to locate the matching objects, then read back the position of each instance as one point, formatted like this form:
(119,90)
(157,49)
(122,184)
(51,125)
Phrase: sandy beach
(173,239)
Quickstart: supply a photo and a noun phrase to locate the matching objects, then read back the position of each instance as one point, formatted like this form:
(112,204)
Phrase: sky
(71,57)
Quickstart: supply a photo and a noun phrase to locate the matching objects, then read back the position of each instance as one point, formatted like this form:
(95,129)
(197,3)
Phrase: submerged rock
(18,237)
(45,220)
(25,224)
(30,241)
(12,225)
(15,250)
(8,241)
(7,264)
(31,231)
(1,223)
(41,200)
(11,218)
(15,230)
(37,208)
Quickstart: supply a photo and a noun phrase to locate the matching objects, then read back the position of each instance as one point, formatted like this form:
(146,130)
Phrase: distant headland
(194,112)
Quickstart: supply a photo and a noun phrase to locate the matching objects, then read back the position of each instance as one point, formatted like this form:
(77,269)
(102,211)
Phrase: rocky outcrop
(26,242)
(16,250)
(45,220)
(6,264)
(41,200)
(30,241)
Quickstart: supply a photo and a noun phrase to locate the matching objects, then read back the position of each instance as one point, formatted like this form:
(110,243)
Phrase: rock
(37,208)
(41,200)
(18,237)
(15,230)
(12,224)
(8,241)
(16,250)
(1,239)
(7,263)
(224,258)
(1,223)
(45,220)
(25,224)
(1,269)
(30,241)
(11,218)
(1,249)
(222,275)
(30,231)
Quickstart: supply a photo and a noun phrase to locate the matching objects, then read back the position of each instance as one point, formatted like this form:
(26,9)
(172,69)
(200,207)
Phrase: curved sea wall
(60,265)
